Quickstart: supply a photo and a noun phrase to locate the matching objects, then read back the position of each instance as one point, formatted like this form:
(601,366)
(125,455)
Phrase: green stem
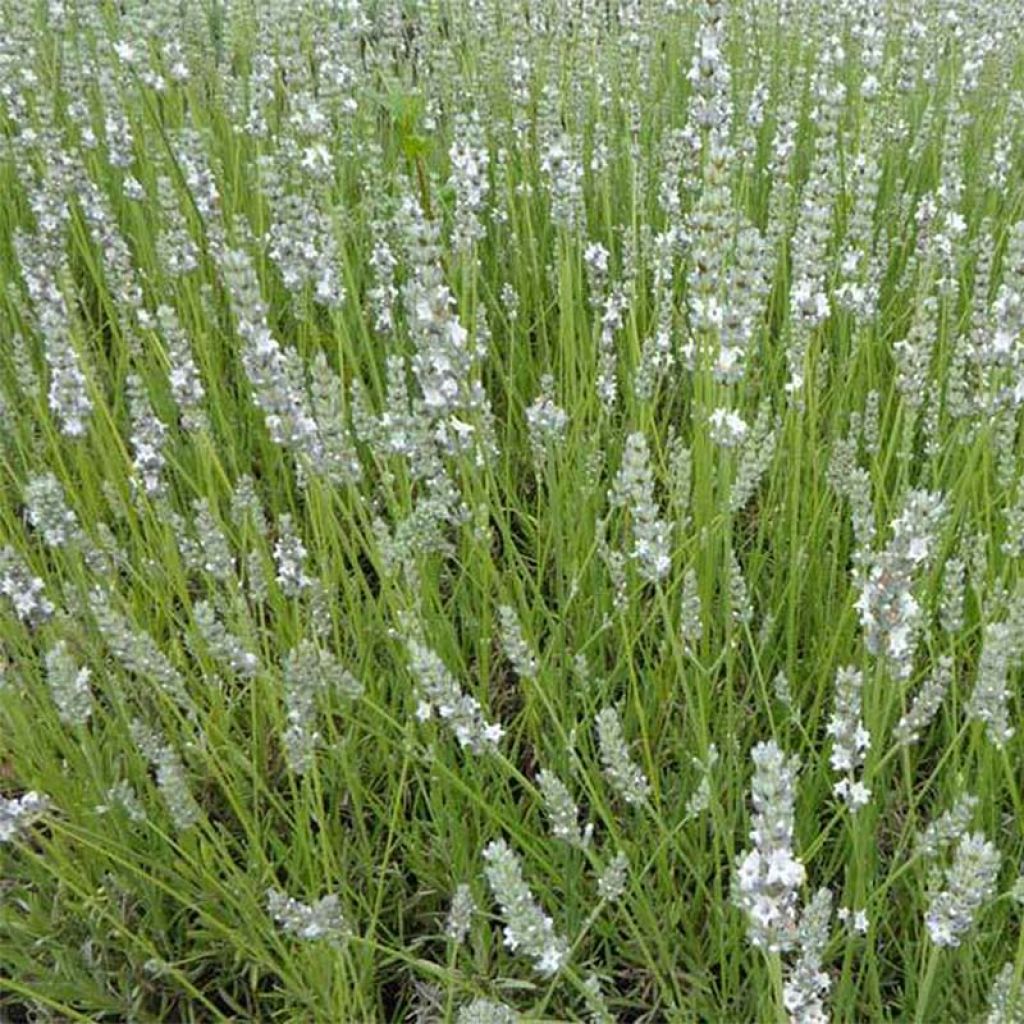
(925,991)
(778,991)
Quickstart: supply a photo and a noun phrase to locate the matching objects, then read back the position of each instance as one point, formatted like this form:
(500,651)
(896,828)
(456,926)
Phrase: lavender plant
(422,423)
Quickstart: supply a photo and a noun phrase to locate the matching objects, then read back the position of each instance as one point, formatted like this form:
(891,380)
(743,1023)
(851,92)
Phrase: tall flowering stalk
(890,613)
(527,928)
(769,875)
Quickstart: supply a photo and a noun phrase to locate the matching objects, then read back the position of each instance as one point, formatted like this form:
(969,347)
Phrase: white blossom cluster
(309,672)
(69,684)
(528,930)
(222,643)
(274,373)
(320,921)
(563,814)
(460,913)
(469,180)
(517,650)
(486,1011)
(546,421)
(22,589)
(46,508)
(1005,1000)
(625,776)
(807,984)
(926,703)
(148,439)
(989,700)
(612,881)
(136,650)
(949,827)
(970,882)
(634,490)
(17,813)
(769,875)
(290,559)
(727,427)
(452,401)
(890,614)
(68,392)
(439,694)
(171,775)
(850,739)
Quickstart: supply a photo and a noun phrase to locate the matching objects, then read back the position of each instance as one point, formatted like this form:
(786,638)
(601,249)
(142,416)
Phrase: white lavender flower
(856,920)
(626,778)
(680,462)
(137,651)
(1005,998)
(246,506)
(595,262)
(850,739)
(926,703)
(727,428)
(1017,890)
(256,578)
(47,511)
(439,693)
(611,320)
(950,826)
(322,920)
(806,984)
(185,379)
(148,436)
(275,375)
(890,614)
(854,483)
(68,395)
(969,883)
(989,699)
(517,650)
(69,685)
(468,179)
(563,174)
(597,1005)
(214,552)
(563,814)
(611,883)
(756,453)
(741,608)
(460,914)
(290,558)
(335,458)
(784,694)
(699,800)
(634,490)
(222,644)
(384,294)
(171,777)
(23,590)
(486,1011)
(122,794)
(527,928)
(546,421)
(309,672)
(301,237)
(17,813)
(451,394)
(176,250)
(691,625)
(769,875)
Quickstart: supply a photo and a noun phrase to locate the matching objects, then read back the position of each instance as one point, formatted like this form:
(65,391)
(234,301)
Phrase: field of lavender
(511,511)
